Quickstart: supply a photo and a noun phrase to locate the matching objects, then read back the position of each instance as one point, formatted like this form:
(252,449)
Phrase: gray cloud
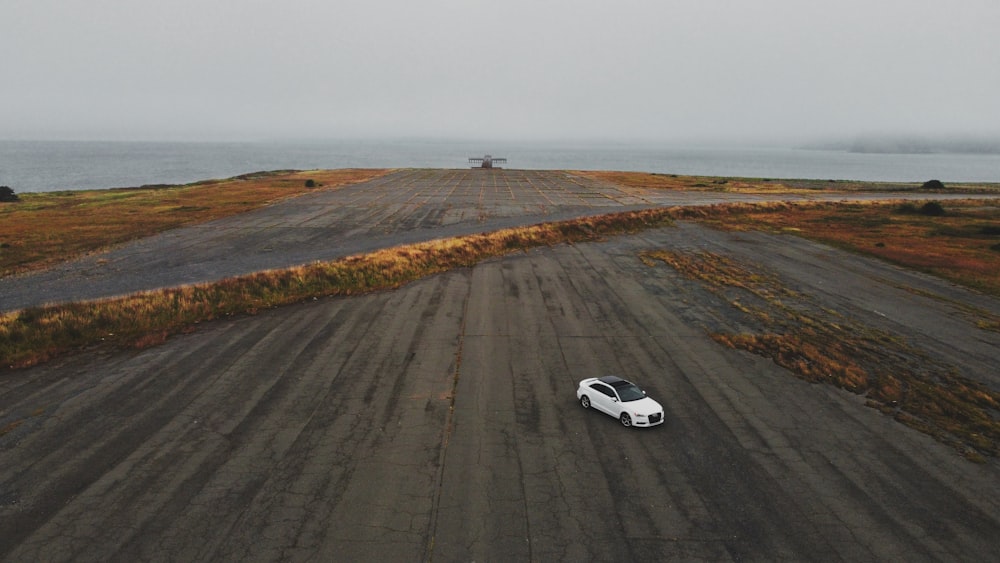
(632,69)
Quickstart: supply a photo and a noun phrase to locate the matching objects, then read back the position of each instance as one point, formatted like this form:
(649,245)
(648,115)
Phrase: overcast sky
(670,70)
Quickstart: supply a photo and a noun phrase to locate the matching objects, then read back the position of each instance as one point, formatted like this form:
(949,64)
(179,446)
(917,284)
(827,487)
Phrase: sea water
(38,166)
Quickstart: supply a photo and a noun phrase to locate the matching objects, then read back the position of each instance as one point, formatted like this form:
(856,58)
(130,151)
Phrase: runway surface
(438,422)
(406,206)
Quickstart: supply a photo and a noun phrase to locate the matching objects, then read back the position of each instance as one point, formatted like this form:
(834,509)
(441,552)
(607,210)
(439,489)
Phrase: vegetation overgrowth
(822,346)
(34,335)
(960,244)
(44,228)
(771,186)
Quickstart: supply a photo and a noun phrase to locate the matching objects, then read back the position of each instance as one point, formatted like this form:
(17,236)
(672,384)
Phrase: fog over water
(776,72)
(36,166)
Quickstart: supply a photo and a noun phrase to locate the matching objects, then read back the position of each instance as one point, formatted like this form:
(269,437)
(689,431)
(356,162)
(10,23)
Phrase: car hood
(645,406)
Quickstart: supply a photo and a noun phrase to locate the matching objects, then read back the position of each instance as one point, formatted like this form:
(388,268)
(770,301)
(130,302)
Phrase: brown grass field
(963,245)
(50,227)
(766,186)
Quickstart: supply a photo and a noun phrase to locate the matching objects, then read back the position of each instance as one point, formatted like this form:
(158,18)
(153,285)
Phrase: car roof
(613,380)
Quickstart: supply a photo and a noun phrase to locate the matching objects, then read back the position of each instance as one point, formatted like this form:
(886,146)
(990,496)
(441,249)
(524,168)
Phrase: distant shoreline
(47,166)
(905,145)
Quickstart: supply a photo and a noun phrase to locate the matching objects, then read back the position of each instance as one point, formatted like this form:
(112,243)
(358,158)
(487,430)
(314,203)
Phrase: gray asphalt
(438,422)
(403,207)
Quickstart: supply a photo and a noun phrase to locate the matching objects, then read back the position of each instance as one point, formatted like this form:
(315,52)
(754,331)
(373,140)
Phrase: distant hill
(913,145)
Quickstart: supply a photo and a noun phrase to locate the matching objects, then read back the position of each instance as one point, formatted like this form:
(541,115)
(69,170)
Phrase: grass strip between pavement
(37,334)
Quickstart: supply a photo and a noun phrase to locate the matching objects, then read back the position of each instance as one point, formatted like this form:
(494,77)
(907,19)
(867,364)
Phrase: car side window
(604,389)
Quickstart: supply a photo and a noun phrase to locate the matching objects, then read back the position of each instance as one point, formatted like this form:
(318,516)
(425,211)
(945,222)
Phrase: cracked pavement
(438,422)
(403,207)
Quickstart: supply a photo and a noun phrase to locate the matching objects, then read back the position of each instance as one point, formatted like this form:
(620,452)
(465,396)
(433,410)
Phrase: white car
(621,399)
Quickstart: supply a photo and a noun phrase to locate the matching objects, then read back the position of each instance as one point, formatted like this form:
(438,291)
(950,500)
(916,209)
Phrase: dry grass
(694,183)
(961,246)
(45,228)
(766,186)
(821,346)
(35,335)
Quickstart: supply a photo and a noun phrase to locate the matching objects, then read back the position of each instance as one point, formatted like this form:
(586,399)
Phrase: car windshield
(630,392)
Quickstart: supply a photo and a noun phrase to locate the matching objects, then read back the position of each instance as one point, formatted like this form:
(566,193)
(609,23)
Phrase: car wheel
(585,401)
(626,420)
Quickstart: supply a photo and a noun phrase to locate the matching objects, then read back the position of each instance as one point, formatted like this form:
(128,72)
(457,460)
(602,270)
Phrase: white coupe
(621,399)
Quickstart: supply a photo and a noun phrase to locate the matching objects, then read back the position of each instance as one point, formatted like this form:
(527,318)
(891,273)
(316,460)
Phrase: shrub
(932,209)
(310,183)
(933,185)
(7,194)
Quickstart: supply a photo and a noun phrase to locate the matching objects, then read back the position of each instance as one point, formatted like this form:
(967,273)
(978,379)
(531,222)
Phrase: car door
(604,398)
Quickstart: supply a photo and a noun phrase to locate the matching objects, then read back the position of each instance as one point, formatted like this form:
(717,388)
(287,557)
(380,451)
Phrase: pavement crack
(448,426)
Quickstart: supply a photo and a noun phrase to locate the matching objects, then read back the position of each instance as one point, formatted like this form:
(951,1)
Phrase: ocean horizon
(42,166)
